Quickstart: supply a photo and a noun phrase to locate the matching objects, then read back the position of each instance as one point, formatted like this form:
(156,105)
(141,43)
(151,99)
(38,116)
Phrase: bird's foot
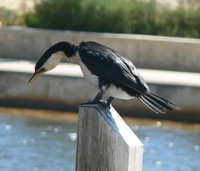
(105,104)
(90,102)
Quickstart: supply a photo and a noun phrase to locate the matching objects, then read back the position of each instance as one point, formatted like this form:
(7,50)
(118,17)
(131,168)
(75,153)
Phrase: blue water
(167,149)
(39,145)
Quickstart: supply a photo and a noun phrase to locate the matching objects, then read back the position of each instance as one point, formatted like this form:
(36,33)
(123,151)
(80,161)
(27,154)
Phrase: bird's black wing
(132,69)
(110,66)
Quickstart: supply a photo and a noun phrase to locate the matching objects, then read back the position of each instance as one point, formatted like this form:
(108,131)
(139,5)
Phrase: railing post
(105,142)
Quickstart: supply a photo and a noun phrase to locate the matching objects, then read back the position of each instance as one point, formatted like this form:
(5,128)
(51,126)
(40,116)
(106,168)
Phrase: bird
(107,69)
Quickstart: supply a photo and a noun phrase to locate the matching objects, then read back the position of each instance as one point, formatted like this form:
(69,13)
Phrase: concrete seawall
(65,88)
(152,52)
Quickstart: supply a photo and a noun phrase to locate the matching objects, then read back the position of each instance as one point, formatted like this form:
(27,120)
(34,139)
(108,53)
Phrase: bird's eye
(42,69)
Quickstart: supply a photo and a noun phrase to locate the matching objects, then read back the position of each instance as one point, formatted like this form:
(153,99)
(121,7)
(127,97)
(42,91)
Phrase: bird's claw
(105,104)
(90,102)
(102,103)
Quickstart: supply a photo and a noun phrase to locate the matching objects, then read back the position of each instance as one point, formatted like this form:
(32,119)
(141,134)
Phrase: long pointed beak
(35,75)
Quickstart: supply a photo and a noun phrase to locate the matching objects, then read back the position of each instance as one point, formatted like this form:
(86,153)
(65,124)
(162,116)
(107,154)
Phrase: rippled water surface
(32,144)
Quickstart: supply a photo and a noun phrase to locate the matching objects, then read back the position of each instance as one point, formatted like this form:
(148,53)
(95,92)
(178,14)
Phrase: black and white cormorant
(105,68)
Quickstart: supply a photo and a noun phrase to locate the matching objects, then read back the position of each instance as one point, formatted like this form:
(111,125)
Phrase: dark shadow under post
(105,142)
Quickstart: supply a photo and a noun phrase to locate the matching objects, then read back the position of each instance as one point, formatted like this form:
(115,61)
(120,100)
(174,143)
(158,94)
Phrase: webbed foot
(105,104)
(90,102)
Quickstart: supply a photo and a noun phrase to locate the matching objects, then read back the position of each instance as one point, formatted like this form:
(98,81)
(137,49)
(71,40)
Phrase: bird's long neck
(52,57)
(70,52)
(68,48)
(65,50)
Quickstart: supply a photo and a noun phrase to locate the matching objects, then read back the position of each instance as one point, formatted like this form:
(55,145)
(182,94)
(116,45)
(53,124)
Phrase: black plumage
(109,70)
(111,67)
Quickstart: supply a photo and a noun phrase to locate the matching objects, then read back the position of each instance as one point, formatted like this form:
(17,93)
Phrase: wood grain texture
(105,142)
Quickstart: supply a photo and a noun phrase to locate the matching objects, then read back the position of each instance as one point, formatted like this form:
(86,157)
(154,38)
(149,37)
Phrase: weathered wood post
(105,142)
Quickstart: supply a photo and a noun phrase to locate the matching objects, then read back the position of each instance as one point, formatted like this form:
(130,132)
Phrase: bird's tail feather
(156,103)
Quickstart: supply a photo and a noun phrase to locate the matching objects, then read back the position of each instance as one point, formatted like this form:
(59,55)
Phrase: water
(168,149)
(33,144)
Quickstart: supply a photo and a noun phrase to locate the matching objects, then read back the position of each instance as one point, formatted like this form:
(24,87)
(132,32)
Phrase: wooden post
(105,142)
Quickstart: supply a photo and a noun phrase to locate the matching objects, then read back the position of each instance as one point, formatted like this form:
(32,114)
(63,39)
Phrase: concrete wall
(63,93)
(154,52)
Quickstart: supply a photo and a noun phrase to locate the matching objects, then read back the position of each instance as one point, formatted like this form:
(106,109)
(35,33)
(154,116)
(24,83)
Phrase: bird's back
(111,67)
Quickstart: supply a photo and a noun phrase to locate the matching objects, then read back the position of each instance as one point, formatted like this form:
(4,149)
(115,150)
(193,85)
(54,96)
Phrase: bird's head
(52,57)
